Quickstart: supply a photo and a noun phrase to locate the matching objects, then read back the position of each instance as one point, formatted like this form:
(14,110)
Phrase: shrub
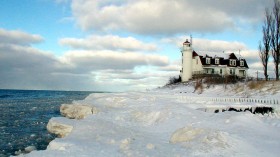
(173,80)
(256,84)
(198,86)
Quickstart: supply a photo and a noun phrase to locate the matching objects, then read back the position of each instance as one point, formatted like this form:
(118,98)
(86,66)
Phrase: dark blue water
(24,115)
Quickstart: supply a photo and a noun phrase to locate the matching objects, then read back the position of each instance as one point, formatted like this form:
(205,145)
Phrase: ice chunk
(216,139)
(29,149)
(75,111)
(185,134)
(60,129)
(150,146)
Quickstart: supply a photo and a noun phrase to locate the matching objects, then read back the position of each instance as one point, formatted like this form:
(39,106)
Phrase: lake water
(24,115)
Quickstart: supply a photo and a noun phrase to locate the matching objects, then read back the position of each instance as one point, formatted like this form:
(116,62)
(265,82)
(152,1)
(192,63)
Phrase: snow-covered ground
(160,123)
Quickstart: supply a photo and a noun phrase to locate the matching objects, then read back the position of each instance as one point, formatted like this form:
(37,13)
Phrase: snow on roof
(217,54)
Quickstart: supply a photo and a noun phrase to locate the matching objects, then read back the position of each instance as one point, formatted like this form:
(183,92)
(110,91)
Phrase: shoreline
(159,123)
(25,117)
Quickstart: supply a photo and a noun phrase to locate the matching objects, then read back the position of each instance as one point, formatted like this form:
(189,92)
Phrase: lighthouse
(187,55)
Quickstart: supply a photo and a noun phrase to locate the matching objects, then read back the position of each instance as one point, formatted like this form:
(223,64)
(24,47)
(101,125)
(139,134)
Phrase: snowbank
(161,123)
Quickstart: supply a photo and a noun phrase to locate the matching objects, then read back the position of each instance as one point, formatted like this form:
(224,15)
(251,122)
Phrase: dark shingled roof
(224,59)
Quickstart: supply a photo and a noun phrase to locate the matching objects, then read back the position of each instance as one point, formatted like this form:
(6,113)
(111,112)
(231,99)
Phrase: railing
(266,101)
(205,72)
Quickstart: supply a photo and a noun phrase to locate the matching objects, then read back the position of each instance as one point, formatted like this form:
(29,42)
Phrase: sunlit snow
(161,123)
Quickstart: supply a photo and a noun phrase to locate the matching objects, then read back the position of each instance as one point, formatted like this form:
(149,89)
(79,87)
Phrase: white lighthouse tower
(187,55)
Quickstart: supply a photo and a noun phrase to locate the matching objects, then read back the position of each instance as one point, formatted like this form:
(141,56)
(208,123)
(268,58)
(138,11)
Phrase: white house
(223,64)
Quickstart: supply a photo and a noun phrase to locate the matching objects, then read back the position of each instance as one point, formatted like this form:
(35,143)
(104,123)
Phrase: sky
(119,45)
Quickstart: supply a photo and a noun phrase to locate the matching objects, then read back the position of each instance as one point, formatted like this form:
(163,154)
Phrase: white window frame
(232,62)
(217,61)
(208,60)
(241,63)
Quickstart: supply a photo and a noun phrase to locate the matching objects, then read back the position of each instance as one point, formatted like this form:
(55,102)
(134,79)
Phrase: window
(208,60)
(212,71)
(217,61)
(232,62)
(221,71)
(241,63)
(232,72)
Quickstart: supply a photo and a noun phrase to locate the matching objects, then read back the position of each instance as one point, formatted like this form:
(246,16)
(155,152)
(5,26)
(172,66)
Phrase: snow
(160,123)
(218,54)
(213,54)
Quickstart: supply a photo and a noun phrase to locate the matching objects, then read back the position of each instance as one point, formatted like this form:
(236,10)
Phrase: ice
(185,134)
(77,111)
(161,123)
(30,149)
(57,126)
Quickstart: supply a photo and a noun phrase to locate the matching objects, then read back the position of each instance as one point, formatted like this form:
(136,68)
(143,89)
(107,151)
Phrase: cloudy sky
(118,45)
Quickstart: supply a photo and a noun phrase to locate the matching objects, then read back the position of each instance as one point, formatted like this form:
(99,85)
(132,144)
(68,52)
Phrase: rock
(60,129)
(74,111)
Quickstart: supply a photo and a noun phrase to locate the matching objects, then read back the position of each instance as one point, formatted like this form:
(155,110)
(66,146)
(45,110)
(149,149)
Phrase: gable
(195,54)
(232,56)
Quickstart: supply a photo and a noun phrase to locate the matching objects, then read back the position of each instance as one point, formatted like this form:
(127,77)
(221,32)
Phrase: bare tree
(264,46)
(275,36)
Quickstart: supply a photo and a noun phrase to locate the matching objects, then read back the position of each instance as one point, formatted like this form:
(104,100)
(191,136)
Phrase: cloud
(200,44)
(250,10)
(29,68)
(165,16)
(218,45)
(108,42)
(18,37)
(25,67)
(102,60)
(135,80)
(61,1)
(174,66)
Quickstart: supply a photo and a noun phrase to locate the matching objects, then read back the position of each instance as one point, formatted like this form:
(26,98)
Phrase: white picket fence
(266,101)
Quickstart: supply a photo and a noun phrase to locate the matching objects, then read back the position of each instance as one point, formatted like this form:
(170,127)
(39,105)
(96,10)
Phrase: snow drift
(160,123)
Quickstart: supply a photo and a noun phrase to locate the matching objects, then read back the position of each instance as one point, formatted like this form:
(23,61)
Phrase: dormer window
(232,62)
(241,63)
(208,60)
(217,61)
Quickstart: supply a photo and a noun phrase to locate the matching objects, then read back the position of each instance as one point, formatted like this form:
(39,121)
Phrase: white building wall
(187,64)
(196,64)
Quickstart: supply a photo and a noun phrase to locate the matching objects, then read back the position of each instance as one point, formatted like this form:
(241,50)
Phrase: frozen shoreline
(157,123)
